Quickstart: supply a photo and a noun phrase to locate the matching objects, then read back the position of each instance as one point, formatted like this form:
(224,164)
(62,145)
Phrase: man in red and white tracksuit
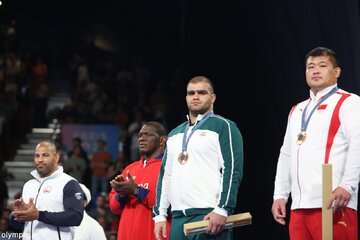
(324,129)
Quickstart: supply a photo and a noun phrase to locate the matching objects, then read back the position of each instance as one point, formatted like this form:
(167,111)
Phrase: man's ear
(213,97)
(163,140)
(337,72)
(57,156)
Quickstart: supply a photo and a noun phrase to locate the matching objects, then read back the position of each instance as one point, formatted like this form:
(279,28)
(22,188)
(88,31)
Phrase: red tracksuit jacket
(136,221)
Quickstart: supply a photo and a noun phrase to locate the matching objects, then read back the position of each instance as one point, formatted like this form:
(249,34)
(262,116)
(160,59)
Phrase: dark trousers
(179,218)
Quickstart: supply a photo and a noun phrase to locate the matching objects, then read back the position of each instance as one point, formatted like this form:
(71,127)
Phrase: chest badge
(47,189)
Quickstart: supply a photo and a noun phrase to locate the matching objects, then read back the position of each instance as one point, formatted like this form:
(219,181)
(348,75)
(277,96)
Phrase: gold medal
(301,138)
(183,157)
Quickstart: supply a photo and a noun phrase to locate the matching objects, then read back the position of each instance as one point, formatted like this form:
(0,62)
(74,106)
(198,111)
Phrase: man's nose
(39,157)
(196,95)
(316,70)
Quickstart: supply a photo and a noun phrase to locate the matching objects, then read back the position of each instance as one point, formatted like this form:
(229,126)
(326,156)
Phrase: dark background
(253,51)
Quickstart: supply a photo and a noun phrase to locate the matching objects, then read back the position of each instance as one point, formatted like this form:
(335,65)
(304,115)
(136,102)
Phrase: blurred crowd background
(102,88)
(124,62)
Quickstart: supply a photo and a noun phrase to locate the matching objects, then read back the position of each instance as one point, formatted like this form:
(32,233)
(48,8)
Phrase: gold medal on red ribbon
(301,137)
(183,157)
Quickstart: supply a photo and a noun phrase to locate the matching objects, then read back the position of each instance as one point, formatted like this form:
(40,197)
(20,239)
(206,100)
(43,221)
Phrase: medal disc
(183,157)
(301,138)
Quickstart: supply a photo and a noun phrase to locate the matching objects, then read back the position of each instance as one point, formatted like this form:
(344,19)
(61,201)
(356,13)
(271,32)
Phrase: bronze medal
(183,157)
(301,138)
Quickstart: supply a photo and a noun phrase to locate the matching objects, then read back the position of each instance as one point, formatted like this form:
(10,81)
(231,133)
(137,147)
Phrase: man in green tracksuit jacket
(201,170)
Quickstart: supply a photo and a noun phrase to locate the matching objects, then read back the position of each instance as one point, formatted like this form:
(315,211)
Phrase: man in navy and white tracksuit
(51,202)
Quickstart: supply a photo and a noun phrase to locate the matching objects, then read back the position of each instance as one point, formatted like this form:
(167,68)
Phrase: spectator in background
(77,142)
(116,167)
(39,71)
(73,64)
(83,75)
(2,124)
(4,192)
(101,212)
(75,165)
(100,162)
(132,132)
(5,228)
(41,98)
(61,148)
(13,66)
(2,71)
(67,114)
(11,41)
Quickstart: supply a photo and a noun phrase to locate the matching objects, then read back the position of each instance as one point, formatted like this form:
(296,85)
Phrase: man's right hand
(160,230)
(278,210)
(116,184)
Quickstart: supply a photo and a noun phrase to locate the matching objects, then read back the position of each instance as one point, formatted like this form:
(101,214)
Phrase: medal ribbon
(199,123)
(304,123)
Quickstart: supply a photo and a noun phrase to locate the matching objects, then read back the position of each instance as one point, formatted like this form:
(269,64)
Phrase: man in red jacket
(133,192)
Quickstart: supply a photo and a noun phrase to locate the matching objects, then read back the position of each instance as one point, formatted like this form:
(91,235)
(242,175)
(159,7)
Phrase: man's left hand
(339,199)
(29,214)
(125,187)
(216,223)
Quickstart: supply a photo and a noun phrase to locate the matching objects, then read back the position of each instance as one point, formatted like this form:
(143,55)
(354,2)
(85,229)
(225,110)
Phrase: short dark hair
(159,128)
(198,79)
(323,51)
(50,144)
